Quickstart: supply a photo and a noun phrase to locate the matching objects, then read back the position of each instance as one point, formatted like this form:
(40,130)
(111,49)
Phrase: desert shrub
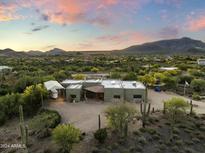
(198,85)
(138,148)
(196,140)
(188,150)
(175,136)
(151,131)
(162,147)
(142,140)
(65,135)
(44,121)
(136,132)
(179,142)
(175,149)
(189,142)
(119,116)
(156,136)
(176,130)
(101,135)
(196,96)
(2,118)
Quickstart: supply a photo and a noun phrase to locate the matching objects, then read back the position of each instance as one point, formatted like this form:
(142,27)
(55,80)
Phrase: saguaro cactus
(99,122)
(144,110)
(23,128)
(164,107)
(191,107)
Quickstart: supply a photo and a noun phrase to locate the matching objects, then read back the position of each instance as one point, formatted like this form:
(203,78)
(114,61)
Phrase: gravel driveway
(82,115)
(156,99)
(85,115)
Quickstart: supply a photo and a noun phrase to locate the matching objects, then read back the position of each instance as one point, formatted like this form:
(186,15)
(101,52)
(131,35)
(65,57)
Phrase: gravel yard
(84,115)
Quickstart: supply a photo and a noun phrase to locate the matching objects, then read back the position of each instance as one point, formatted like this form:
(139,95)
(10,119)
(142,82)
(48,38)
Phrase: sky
(79,25)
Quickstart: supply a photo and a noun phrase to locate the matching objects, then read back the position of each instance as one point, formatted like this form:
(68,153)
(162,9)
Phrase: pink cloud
(128,37)
(7,12)
(196,24)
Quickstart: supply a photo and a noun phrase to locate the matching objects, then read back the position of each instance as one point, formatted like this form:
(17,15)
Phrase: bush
(198,85)
(142,140)
(2,118)
(101,135)
(65,136)
(44,121)
(196,96)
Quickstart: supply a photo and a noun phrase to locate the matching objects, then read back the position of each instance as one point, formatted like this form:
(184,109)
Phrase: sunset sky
(97,24)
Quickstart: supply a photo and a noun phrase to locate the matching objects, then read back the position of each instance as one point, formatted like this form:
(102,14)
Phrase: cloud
(39,28)
(124,37)
(169,32)
(196,24)
(7,12)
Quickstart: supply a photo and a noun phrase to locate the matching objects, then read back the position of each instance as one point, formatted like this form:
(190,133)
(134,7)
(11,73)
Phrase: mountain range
(183,45)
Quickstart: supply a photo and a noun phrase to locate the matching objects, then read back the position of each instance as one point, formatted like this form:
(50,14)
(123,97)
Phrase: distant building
(5,68)
(106,90)
(168,68)
(201,61)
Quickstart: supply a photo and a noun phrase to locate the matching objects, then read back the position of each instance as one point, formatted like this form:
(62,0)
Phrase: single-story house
(5,68)
(201,61)
(168,68)
(106,90)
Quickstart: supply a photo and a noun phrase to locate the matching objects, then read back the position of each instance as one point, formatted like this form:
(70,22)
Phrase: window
(73,96)
(137,96)
(117,96)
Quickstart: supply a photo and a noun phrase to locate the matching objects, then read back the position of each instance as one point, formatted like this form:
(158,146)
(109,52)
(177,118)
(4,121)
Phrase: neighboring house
(106,90)
(54,88)
(5,68)
(201,61)
(168,68)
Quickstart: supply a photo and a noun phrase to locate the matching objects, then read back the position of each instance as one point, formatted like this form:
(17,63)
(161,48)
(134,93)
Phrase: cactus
(191,108)
(164,108)
(126,129)
(144,110)
(99,122)
(153,110)
(23,128)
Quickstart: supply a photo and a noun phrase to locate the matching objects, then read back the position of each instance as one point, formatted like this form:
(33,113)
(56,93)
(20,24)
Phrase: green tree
(198,85)
(95,69)
(175,111)
(65,135)
(119,117)
(148,79)
(130,76)
(79,76)
(33,97)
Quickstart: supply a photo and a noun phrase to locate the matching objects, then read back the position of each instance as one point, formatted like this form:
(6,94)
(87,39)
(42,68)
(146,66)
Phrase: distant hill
(11,53)
(173,46)
(183,45)
(56,52)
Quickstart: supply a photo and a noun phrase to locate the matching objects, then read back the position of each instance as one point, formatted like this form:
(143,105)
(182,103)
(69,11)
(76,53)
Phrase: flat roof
(168,68)
(75,86)
(5,67)
(106,83)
